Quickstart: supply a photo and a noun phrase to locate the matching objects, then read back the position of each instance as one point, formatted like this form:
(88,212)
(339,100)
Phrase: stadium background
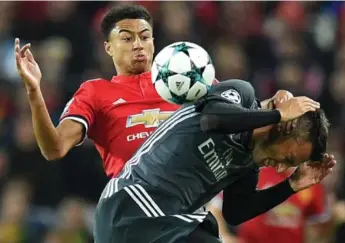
(299,46)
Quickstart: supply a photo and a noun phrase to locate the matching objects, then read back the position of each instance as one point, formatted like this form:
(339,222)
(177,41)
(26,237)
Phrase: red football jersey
(285,223)
(118,115)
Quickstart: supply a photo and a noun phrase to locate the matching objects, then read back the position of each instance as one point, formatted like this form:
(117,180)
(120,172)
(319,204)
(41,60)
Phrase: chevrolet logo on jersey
(148,118)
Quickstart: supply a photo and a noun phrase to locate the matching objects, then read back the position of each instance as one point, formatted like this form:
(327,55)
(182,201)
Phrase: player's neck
(259,134)
(127,72)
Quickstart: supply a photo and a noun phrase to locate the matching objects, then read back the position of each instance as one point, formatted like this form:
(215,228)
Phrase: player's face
(131,46)
(282,154)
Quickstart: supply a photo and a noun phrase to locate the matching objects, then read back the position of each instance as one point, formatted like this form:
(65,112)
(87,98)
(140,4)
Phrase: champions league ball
(182,72)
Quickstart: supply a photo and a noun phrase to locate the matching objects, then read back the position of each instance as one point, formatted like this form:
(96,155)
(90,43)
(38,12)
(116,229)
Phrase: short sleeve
(81,108)
(318,211)
(235,91)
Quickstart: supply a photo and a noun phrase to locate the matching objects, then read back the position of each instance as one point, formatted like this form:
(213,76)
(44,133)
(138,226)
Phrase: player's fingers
(314,104)
(311,102)
(306,99)
(307,108)
(287,128)
(17,45)
(30,56)
(332,163)
(290,125)
(24,48)
(276,101)
(18,61)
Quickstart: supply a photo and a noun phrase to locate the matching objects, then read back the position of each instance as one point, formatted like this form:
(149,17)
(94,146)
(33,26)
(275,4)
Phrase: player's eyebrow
(144,30)
(130,31)
(124,30)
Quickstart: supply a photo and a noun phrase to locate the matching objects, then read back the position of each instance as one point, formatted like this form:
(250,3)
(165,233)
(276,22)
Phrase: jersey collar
(131,78)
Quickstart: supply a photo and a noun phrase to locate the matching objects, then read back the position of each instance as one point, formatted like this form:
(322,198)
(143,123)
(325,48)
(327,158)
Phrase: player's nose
(281,167)
(137,44)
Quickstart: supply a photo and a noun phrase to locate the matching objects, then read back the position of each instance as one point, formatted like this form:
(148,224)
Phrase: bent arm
(247,204)
(54,143)
(218,116)
(215,207)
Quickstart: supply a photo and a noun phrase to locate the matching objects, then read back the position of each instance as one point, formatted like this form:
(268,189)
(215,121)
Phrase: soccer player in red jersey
(288,221)
(117,114)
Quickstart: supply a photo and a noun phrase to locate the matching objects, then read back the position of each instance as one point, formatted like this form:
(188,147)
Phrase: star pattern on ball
(182,47)
(191,64)
(195,73)
(165,72)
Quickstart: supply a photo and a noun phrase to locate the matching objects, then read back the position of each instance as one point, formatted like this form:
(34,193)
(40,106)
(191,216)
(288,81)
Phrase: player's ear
(108,48)
(153,41)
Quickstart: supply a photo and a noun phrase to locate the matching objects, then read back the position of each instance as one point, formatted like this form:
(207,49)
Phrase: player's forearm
(241,209)
(46,134)
(229,118)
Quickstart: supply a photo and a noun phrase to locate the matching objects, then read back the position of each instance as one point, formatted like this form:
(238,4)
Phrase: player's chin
(140,66)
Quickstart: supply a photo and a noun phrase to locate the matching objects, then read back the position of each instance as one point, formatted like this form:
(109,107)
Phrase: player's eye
(290,161)
(127,39)
(145,38)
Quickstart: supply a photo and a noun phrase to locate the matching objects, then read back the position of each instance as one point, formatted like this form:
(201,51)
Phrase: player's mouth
(140,57)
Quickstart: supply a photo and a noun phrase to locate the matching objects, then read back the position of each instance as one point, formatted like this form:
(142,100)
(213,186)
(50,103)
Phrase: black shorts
(132,216)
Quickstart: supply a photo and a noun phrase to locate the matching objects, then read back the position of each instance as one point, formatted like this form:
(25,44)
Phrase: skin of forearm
(46,134)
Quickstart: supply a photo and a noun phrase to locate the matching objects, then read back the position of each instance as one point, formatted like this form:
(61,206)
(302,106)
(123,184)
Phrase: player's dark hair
(122,12)
(313,127)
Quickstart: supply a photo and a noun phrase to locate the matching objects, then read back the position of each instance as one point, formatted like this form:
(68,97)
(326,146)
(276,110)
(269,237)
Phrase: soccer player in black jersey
(217,143)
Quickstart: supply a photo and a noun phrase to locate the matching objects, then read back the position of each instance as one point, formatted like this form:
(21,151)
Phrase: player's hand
(280,97)
(310,173)
(296,107)
(27,67)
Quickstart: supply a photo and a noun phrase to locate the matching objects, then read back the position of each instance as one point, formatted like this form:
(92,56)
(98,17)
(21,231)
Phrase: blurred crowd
(298,46)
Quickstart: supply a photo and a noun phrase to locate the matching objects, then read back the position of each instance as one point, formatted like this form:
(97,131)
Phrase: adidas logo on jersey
(119,101)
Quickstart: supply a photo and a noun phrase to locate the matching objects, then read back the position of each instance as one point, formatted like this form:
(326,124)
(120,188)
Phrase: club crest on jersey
(148,118)
(232,95)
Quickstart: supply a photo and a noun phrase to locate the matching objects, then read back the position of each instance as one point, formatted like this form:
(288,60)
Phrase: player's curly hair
(122,12)
(313,127)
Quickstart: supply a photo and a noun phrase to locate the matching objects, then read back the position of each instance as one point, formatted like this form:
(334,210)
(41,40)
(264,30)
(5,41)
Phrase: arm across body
(218,116)
(231,107)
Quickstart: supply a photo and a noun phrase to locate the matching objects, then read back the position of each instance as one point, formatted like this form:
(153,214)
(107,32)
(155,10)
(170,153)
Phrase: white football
(182,72)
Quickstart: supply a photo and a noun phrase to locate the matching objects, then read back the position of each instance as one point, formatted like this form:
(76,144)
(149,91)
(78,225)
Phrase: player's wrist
(281,113)
(32,90)
(35,97)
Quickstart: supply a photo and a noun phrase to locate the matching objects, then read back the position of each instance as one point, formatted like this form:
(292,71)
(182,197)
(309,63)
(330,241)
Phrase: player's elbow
(52,155)
(207,123)
(231,217)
